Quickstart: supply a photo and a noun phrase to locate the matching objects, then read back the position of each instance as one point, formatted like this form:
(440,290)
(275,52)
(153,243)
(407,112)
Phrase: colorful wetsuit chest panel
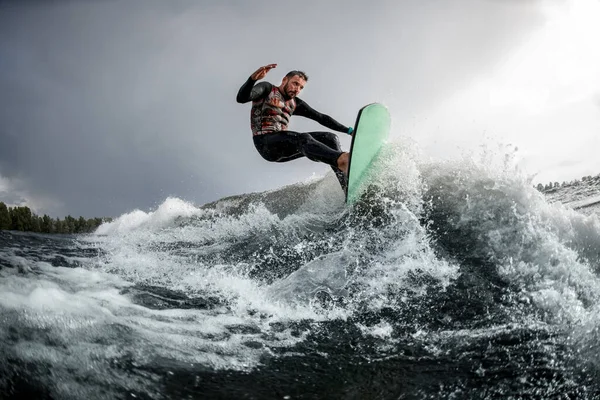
(271,114)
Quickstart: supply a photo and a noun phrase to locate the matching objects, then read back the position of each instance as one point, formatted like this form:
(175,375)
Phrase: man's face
(293,86)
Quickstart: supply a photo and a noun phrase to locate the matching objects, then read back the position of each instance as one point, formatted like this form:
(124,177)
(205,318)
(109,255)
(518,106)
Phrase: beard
(287,93)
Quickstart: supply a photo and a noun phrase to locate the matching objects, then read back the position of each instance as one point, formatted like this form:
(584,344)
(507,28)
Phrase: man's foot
(343,161)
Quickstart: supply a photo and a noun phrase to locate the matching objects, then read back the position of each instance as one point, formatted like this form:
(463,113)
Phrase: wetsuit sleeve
(304,110)
(251,92)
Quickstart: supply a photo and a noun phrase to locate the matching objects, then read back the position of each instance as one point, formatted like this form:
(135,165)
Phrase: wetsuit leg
(331,140)
(289,145)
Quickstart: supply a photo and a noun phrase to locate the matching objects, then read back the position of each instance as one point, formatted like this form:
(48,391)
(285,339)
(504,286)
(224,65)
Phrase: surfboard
(371,130)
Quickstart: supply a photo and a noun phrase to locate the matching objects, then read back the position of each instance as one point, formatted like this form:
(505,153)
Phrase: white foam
(177,247)
(545,249)
(79,308)
(164,216)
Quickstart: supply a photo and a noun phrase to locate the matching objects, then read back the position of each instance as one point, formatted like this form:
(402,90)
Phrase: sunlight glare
(559,65)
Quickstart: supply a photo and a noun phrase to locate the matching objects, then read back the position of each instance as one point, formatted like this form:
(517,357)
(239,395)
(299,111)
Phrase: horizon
(542,187)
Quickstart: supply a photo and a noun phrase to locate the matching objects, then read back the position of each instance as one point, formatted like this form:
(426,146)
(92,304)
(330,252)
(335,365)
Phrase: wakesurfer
(272,108)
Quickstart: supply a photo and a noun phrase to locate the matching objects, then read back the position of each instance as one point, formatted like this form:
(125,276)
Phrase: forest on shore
(586,180)
(21,218)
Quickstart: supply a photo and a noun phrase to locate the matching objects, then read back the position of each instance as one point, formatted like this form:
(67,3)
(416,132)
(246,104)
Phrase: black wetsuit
(269,119)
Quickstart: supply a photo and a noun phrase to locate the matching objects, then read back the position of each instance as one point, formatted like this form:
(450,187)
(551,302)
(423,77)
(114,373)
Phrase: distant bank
(22,219)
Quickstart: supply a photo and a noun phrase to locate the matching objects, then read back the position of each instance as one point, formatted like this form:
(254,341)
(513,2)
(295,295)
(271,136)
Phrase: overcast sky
(109,106)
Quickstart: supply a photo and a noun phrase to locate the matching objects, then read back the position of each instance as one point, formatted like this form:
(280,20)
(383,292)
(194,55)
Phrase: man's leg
(288,145)
(338,160)
(331,140)
(278,146)
(317,146)
(322,146)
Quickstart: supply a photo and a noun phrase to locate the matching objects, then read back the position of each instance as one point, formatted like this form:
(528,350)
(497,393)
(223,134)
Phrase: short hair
(301,74)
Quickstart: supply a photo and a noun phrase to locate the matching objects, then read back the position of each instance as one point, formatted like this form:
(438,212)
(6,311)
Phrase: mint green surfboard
(370,133)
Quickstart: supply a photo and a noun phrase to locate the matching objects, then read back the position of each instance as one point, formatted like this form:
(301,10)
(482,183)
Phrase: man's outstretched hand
(262,72)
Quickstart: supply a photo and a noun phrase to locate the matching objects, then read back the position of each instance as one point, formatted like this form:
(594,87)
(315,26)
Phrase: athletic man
(272,108)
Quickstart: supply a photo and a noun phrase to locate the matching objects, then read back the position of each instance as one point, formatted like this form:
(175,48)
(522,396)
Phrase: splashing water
(447,280)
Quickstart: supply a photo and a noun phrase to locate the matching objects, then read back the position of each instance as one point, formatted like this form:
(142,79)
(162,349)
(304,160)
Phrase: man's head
(293,83)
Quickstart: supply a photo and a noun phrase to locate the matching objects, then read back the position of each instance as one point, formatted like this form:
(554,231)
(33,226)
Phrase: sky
(111,106)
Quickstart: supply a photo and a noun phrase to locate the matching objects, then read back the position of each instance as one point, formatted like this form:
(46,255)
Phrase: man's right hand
(262,72)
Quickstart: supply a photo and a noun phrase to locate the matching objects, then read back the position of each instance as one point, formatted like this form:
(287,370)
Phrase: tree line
(22,219)
(552,186)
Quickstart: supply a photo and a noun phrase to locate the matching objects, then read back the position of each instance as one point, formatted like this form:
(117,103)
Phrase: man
(272,108)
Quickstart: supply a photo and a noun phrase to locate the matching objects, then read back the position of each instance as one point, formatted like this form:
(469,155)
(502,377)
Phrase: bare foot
(343,161)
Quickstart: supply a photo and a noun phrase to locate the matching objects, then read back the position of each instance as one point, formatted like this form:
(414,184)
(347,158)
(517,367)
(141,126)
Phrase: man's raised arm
(251,92)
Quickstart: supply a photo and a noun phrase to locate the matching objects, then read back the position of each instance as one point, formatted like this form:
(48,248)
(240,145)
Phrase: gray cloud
(106,106)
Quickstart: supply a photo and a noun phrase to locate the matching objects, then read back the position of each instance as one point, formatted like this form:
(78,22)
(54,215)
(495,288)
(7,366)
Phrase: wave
(439,263)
